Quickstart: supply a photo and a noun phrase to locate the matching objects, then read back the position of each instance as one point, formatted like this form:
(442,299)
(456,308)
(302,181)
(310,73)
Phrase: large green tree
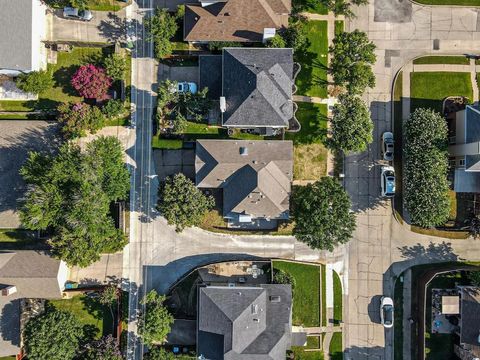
(181,203)
(35,82)
(54,335)
(155,323)
(115,66)
(105,348)
(322,214)
(159,353)
(161,26)
(71,192)
(351,125)
(77,119)
(352,58)
(426,166)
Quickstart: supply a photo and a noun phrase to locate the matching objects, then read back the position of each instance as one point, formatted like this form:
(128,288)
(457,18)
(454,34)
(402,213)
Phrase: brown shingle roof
(234,20)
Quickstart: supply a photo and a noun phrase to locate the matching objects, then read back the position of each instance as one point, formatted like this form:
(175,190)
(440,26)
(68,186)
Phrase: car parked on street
(387,181)
(387,146)
(386,311)
(184,87)
(77,14)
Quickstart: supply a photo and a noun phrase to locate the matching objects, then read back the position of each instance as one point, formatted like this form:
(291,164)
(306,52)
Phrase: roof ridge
(273,15)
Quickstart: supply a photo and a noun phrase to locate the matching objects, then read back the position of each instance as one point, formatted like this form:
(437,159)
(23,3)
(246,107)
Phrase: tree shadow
(114,28)
(432,253)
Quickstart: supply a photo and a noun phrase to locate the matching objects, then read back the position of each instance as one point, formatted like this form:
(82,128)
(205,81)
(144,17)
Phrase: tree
(77,119)
(91,82)
(105,348)
(53,335)
(219,45)
(426,168)
(35,82)
(283,277)
(295,35)
(161,26)
(181,203)
(115,66)
(159,353)
(474,226)
(179,124)
(474,277)
(108,297)
(70,193)
(322,214)
(276,42)
(352,57)
(342,7)
(154,324)
(351,125)
(113,108)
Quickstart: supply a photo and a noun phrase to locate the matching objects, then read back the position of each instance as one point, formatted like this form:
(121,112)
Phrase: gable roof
(470,317)
(243,322)
(472,134)
(234,20)
(257,86)
(257,182)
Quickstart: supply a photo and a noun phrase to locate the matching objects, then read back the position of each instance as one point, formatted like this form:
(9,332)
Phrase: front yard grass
(310,154)
(310,6)
(313,342)
(336,349)
(306,295)
(339,27)
(18,239)
(455,60)
(337,299)
(429,89)
(95,317)
(299,353)
(312,79)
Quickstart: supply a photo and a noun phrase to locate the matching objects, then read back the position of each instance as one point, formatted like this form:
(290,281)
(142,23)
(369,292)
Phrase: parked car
(387,146)
(77,14)
(184,87)
(386,311)
(387,181)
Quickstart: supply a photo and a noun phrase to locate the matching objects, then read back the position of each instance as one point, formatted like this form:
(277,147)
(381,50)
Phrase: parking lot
(17,138)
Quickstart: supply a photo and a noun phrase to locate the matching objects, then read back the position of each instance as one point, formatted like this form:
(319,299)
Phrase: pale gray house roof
(472,134)
(470,317)
(255,176)
(251,323)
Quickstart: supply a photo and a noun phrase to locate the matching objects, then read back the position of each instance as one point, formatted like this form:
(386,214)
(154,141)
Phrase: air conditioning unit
(9,290)
(223,104)
(268,33)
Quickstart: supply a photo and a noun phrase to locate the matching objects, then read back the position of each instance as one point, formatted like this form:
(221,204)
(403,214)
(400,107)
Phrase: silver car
(387,146)
(386,311)
(77,14)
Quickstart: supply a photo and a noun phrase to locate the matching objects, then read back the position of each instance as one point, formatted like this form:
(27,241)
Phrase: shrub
(35,82)
(113,108)
(115,66)
(282,277)
(79,118)
(91,82)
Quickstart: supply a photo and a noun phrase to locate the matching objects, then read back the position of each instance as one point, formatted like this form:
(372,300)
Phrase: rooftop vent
(275,298)
(243,151)
(223,104)
(254,309)
(256,320)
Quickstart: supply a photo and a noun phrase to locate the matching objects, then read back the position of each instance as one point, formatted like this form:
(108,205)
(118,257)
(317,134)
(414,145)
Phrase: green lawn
(455,60)
(300,354)
(98,5)
(324,295)
(159,143)
(337,299)
(339,27)
(306,307)
(310,155)
(8,358)
(313,342)
(95,317)
(311,6)
(429,89)
(18,239)
(450,2)
(336,349)
(312,79)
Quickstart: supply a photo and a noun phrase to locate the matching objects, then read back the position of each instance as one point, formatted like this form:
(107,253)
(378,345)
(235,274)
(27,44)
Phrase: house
(469,324)
(25,274)
(255,86)
(253,177)
(235,20)
(464,150)
(251,323)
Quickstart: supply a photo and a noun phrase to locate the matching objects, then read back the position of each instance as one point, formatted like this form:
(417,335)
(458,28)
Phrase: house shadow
(10,322)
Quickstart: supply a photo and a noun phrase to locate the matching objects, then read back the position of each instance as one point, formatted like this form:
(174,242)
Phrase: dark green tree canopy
(54,335)
(351,125)
(104,349)
(35,82)
(71,193)
(352,58)
(154,324)
(161,26)
(426,168)
(115,66)
(322,214)
(181,203)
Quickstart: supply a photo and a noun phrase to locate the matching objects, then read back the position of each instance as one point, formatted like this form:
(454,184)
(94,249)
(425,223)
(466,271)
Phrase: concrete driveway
(104,27)
(17,138)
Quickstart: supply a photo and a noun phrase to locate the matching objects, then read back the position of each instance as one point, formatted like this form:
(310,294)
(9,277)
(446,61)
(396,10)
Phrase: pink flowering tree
(91,82)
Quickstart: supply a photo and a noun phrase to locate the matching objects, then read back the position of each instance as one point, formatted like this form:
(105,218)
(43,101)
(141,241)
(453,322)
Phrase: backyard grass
(336,347)
(339,27)
(310,155)
(95,317)
(398,320)
(450,2)
(312,79)
(429,89)
(455,60)
(299,353)
(337,299)
(306,307)
(311,6)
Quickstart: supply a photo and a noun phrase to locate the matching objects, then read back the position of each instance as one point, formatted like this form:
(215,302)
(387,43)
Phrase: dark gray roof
(16,22)
(257,183)
(470,315)
(472,134)
(257,86)
(243,322)
(211,74)
(466,181)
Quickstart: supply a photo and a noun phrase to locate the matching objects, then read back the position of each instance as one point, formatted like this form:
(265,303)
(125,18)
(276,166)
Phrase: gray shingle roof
(472,134)
(16,38)
(210,67)
(470,315)
(243,322)
(257,86)
(257,183)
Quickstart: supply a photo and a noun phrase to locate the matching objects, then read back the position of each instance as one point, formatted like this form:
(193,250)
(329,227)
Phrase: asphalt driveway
(104,27)
(17,138)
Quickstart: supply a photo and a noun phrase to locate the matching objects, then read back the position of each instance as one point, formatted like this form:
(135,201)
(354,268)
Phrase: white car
(387,181)
(184,87)
(386,311)
(387,146)
(77,14)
